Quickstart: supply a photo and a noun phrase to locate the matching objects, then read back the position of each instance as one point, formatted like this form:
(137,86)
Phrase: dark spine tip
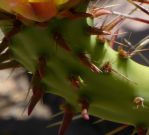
(81,14)
(37,95)
(15,29)
(97,31)
(36,84)
(72,14)
(41,67)
(85,60)
(68,115)
(10,64)
(31,105)
(61,41)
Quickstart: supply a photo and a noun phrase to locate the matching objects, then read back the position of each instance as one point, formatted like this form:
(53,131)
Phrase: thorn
(81,14)
(41,68)
(107,68)
(139,7)
(28,91)
(36,85)
(86,61)
(61,41)
(115,131)
(98,121)
(143,43)
(138,47)
(15,29)
(142,1)
(11,72)
(10,64)
(68,115)
(125,77)
(71,14)
(131,17)
(133,132)
(56,115)
(60,122)
(121,44)
(113,23)
(97,12)
(113,39)
(5,56)
(137,51)
(37,95)
(109,6)
(96,31)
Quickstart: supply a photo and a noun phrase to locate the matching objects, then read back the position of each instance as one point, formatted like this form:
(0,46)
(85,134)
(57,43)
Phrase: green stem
(121,94)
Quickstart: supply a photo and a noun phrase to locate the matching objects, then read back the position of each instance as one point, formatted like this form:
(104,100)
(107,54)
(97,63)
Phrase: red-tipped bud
(85,114)
(85,106)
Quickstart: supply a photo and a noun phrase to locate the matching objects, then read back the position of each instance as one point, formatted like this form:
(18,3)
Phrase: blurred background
(14,85)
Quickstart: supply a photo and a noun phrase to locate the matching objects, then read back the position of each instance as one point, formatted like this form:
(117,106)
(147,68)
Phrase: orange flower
(44,10)
(41,10)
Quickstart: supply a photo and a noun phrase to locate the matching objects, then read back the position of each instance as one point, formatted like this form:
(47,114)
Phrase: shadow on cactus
(56,41)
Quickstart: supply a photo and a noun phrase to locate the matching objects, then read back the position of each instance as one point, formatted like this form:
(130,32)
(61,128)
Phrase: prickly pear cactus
(55,40)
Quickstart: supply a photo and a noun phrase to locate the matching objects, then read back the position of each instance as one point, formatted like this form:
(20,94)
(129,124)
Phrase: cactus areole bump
(55,40)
